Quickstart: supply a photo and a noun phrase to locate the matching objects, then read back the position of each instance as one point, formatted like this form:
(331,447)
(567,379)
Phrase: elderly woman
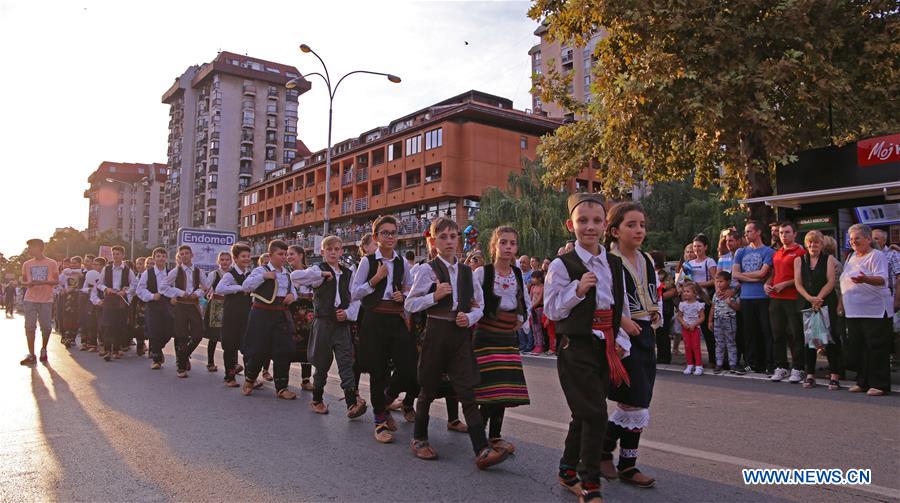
(866,303)
(815,279)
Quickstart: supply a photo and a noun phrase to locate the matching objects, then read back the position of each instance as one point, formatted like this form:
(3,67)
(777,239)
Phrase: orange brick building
(435,161)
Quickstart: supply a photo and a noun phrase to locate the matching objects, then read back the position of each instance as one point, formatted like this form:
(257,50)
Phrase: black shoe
(718,370)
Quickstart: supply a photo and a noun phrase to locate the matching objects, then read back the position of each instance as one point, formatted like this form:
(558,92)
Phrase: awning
(889,190)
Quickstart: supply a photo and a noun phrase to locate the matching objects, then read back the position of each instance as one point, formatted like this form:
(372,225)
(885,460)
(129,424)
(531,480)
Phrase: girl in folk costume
(625,233)
(215,310)
(302,314)
(496,343)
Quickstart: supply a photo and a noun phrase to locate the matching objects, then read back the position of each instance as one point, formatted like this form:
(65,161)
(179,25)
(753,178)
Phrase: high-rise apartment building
(120,188)
(568,59)
(231,121)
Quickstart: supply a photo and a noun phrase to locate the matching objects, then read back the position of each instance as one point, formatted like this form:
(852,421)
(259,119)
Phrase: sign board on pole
(206,245)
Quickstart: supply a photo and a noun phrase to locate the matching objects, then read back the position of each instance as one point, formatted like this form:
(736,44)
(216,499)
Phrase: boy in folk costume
(114,293)
(453,302)
(236,310)
(585,295)
(330,335)
(137,316)
(212,319)
(89,313)
(70,280)
(269,333)
(157,307)
(626,230)
(380,284)
(184,286)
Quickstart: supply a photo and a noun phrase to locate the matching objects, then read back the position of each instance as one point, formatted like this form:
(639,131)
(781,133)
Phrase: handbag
(816,328)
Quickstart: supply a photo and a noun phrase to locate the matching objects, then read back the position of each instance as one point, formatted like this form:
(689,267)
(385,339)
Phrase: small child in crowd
(690,315)
(723,323)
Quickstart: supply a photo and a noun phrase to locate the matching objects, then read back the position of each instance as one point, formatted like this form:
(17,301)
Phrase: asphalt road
(81,429)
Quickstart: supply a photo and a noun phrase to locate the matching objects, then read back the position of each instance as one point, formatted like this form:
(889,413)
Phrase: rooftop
(128,172)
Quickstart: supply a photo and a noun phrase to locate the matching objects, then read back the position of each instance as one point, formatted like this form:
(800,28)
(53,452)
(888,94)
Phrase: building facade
(231,121)
(116,190)
(434,162)
(568,59)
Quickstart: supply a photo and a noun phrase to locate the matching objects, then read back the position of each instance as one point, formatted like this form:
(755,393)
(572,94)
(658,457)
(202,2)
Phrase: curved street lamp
(143,181)
(331,92)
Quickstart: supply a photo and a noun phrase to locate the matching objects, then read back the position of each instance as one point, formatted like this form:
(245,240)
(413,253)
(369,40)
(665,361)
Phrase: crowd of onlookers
(768,307)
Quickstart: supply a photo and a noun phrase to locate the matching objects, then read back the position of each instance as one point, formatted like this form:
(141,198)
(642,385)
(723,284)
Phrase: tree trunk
(758,177)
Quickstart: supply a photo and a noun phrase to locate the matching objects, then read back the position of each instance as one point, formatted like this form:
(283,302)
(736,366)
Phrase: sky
(83,79)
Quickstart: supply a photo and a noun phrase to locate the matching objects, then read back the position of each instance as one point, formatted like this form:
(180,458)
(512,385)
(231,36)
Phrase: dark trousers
(787,333)
(384,338)
(188,332)
(159,323)
(115,328)
(757,333)
(269,336)
(447,349)
(870,339)
(663,341)
(584,377)
(739,341)
(329,341)
(87,319)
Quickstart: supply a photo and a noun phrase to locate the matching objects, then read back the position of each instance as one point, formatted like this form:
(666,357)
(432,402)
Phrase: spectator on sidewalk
(703,272)
(536,291)
(787,323)
(525,266)
(752,266)
(729,244)
(867,305)
(667,292)
(815,280)
(775,242)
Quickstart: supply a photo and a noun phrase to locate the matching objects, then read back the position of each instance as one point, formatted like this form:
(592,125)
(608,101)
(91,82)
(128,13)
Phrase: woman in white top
(703,272)
(867,305)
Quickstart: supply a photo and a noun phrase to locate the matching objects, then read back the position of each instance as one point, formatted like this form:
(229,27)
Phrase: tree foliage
(678,211)
(535,210)
(719,92)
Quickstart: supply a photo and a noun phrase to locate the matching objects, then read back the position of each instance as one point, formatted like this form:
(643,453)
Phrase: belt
(182,300)
(388,307)
(276,305)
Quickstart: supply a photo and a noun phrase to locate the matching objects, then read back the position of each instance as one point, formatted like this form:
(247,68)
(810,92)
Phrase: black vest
(492,301)
(181,281)
(152,285)
(323,301)
(238,300)
(581,318)
(108,277)
(216,279)
(267,291)
(83,279)
(464,287)
(371,300)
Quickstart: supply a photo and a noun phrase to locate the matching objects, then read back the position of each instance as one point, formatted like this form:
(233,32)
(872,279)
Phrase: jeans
(526,340)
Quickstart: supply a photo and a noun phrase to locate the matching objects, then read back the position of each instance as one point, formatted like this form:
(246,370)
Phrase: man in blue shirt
(752,266)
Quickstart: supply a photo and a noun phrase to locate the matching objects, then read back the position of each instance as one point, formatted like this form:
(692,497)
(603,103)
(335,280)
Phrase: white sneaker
(779,374)
(689,370)
(699,370)
(796,376)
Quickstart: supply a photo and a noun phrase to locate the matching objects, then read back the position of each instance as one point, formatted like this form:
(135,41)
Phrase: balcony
(362,175)
(246,136)
(361,204)
(249,90)
(245,170)
(271,123)
(246,155)
(247,122)
(273,93)
(271,140)
(347,178)
(292,145)
(567,57)
(272,110)
(346,207)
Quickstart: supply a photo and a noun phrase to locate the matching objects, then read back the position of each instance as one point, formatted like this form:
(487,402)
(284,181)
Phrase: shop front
(829,189)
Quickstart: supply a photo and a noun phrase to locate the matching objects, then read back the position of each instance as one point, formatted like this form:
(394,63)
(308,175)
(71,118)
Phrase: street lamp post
(331,92)
(133,186)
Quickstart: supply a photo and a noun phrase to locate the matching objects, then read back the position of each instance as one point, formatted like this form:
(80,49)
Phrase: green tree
(678,211)
(720,91)
(527,204)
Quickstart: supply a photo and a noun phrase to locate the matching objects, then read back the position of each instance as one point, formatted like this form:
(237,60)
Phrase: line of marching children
(463,345)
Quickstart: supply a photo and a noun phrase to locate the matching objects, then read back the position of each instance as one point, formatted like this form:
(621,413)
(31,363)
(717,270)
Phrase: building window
(298,207)
(414,145)
(289,155)
(434,138)
(395,151)
(523,142)
(373,136)
(587,83)
(413,177)
(210,216)
(376,188)
(394,182)
(432,172)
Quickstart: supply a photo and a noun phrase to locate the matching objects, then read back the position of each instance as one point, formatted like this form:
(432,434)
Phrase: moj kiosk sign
(206,244)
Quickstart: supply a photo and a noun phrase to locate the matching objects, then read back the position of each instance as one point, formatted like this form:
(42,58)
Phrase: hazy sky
(82,79)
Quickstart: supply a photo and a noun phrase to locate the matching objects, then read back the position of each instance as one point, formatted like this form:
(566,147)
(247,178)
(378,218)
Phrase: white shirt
(508,299)
(142,292)
(312,277)
(360,287)
(560,295)
(116,284)
(228,285)
(690,311)
(862,300)
(419,299)
(91,278)
(282,280)
(171,291)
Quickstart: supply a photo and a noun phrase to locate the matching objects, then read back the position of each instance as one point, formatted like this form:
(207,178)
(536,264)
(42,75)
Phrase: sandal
(810,382)
(286,394)
(834,384)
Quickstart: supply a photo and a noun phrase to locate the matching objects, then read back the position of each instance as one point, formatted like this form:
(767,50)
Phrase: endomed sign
(206,245)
